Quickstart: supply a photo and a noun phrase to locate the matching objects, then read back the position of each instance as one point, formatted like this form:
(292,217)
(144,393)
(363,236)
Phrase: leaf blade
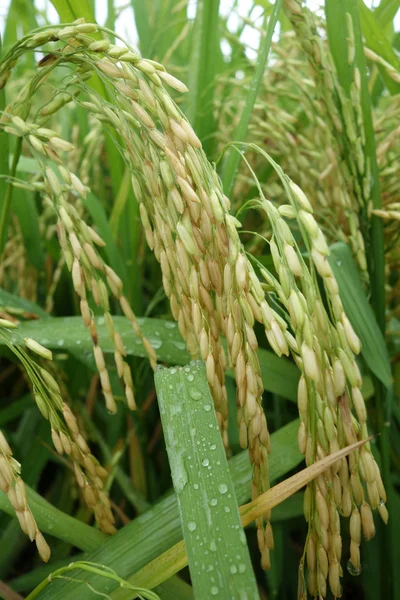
(205,492)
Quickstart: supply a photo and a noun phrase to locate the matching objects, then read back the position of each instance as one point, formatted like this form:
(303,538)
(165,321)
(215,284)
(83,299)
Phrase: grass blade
(69,10)
(360,313)
(203,67)
(4,151)
(141,14)
(56,523)
(212,531)
(159,528)
(233,158)
(176,558)
(279,375)
(376,40)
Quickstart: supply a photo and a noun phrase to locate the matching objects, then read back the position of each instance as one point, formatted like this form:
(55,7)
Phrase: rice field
(199,300)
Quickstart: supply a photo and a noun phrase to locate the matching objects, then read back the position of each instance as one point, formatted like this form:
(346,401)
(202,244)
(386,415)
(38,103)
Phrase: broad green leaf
(219,560)
(360,313)
(279,375)
(159,528)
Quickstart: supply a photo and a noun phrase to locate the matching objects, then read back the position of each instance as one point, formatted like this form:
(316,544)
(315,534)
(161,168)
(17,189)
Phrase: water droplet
(213,502)
(205,462)
(60,343)
(242,537)
(196,486)
(179,345)
(207,407)
(173,371)
(192,526)
(78,342)
(190,377)
(222,488)
(194,393)
(169,324)
(214,590)
(242,568)
(233,569)
(227,509)
(213,546)
(352,570)
(187,369)
(213,447)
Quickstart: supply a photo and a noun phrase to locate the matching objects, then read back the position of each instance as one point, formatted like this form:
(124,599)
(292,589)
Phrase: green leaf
(56,523)
(69,10)
(11,300)
(4,150)
(142,21)
(212,530)
(24,206)
(335,11)
(360,313)
(159,528)
(386,11)
(279,375)
(376,40)
(233,157)
(203,67)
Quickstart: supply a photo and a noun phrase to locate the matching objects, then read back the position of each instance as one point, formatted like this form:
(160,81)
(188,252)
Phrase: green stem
(8,197)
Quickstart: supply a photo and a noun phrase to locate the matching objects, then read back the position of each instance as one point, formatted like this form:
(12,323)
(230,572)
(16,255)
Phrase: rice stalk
(211,283)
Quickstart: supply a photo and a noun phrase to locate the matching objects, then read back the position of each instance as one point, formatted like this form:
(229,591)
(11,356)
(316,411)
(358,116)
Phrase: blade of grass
(4,151)
(376,40)
(24,206)
(214,538)
(279,375)
(174,559)
(142,21)
(360,313)
(56,523)
(69,10)
(159,528)
(203,66)
(232,158)
(386,11)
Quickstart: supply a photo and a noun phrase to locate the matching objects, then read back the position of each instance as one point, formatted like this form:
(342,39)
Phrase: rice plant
(199,301)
